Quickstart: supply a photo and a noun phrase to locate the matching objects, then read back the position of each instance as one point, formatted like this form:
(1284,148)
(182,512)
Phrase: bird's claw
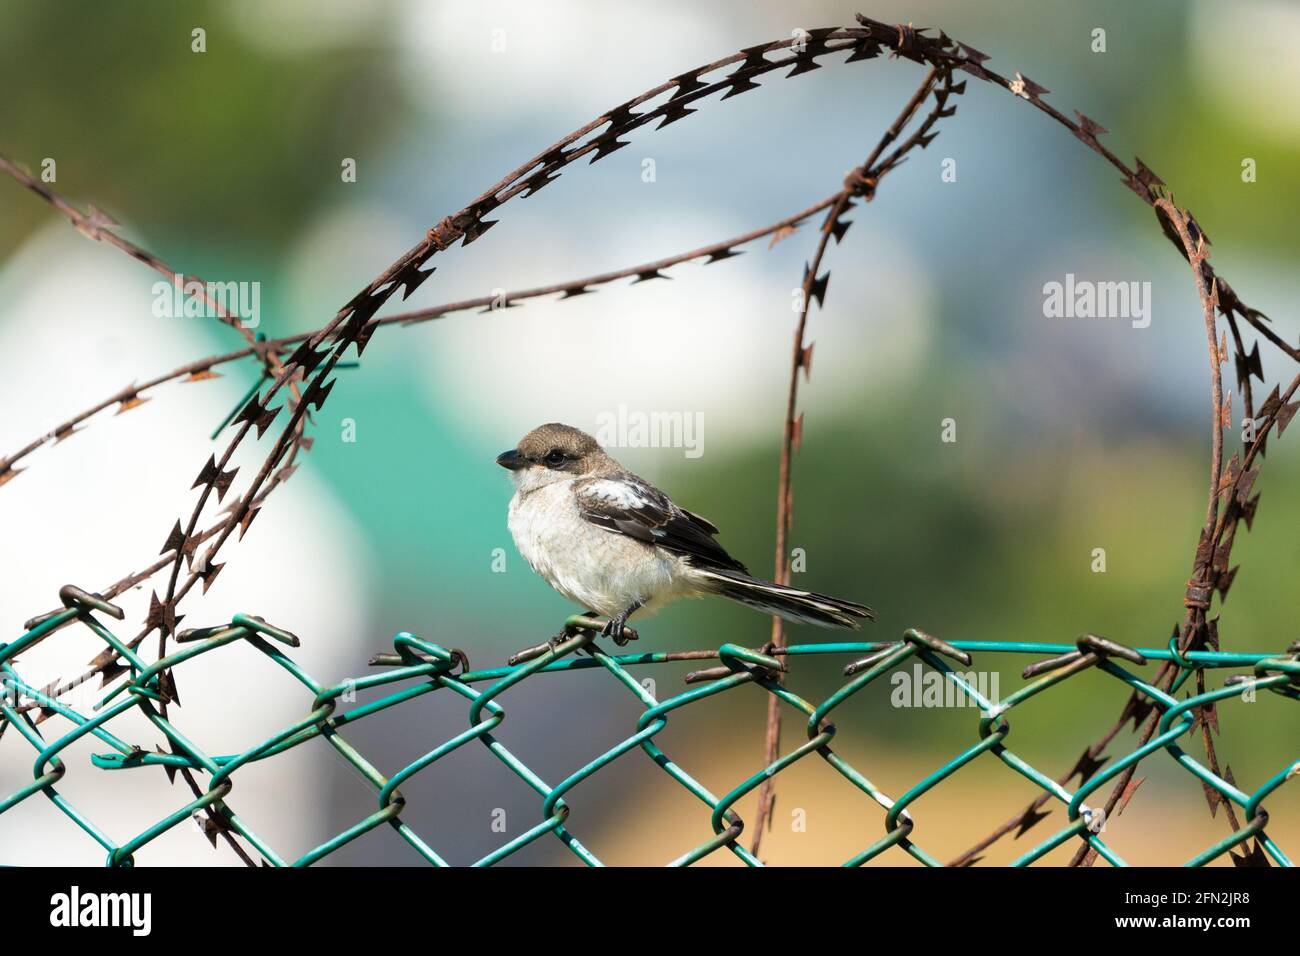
(617,627)
(620,631)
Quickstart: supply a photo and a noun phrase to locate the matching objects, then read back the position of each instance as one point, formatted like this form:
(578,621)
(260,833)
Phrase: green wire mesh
(420,667)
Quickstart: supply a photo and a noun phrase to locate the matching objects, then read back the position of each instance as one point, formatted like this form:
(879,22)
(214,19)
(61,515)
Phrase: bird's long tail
(792,604)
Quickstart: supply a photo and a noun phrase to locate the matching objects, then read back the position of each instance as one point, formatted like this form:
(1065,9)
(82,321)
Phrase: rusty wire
(305,372)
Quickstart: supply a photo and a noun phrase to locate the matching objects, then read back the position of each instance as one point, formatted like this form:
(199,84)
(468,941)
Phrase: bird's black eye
(554,457)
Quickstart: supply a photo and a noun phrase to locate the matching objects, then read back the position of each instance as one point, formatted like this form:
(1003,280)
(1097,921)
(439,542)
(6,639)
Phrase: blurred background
(1072,435)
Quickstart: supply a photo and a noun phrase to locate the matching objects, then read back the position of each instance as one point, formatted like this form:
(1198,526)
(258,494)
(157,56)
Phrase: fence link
(418,667)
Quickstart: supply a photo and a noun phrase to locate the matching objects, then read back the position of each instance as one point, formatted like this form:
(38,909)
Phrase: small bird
(617,545)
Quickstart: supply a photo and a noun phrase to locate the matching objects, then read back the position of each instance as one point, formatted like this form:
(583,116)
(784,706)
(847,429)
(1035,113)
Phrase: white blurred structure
(99,506)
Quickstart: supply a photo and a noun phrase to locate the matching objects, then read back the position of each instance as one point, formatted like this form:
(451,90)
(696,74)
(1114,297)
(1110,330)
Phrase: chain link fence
(417,667)
(297,379)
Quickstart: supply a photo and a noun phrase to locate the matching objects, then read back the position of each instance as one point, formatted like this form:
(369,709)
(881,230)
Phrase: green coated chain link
(420,667)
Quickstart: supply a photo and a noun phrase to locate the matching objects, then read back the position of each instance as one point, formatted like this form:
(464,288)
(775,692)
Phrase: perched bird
(617,545)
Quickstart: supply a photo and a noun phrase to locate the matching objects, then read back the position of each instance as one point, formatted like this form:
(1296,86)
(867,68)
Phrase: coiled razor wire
(303,380)
(418,667)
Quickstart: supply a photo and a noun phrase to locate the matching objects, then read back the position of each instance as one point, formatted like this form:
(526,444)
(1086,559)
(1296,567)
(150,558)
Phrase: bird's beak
(512,460)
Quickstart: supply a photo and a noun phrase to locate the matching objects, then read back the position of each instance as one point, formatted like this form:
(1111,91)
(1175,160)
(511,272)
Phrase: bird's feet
(618,629)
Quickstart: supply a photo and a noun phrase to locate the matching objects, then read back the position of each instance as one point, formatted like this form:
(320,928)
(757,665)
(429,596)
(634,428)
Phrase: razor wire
(305,376)
(419,667)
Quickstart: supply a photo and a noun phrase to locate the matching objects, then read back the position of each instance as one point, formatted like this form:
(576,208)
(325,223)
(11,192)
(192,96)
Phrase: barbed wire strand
(861,182)
(133,395)
(356,321)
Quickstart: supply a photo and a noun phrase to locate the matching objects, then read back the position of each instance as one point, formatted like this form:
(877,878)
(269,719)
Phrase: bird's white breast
(601,570)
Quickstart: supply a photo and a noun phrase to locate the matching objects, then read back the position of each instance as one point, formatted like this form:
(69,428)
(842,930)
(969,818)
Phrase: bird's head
(555,452)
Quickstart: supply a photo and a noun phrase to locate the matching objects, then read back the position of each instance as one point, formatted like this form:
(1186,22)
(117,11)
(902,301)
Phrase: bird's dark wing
(628,505)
